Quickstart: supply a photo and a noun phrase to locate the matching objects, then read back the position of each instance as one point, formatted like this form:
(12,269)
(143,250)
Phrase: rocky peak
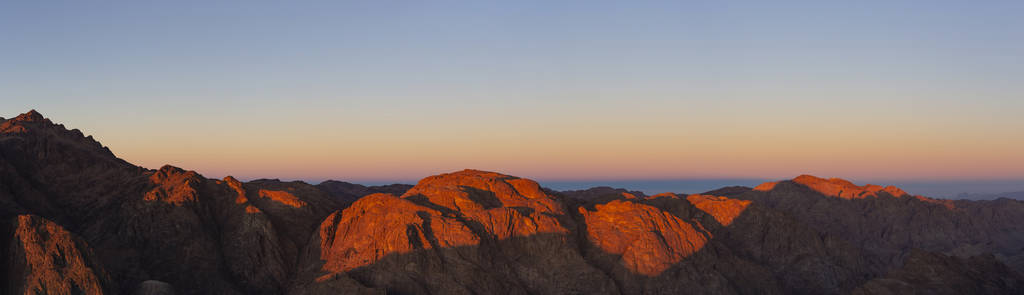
(173,185)
(231,179)
(22,123)
(167,171)
(30,116)
(836,187)
(475,190)
(40,137)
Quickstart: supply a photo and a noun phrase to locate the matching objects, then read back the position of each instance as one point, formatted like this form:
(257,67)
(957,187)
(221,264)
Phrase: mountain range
(991,196)
(75,219)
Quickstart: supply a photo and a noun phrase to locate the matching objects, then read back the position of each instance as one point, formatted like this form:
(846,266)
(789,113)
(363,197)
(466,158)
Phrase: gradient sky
(381,90)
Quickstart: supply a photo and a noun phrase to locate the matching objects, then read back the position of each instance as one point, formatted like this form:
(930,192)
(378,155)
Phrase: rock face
(934,273)
(44,258)
(649,240)
(672,244)
(888,223)
(76,219)
(460,233)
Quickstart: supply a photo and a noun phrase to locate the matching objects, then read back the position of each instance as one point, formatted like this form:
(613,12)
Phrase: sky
(551,90)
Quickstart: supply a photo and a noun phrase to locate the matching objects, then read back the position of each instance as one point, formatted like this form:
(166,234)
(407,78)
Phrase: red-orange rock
(44,258)
(379,225)
(649,240)
(16,124)
(282,197)
(173,185)
(506,206)
(723,209)
(237,186)
(464,232)
(840,188)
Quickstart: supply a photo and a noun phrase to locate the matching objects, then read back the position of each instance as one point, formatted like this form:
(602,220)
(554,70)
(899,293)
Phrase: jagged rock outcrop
(44,258)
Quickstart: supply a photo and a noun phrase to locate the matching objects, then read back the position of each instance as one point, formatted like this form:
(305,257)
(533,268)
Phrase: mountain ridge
(127,229)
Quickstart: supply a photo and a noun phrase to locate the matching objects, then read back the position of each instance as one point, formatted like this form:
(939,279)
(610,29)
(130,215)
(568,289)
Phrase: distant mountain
(350,192)
(601,191)
(75,219)
(984,196)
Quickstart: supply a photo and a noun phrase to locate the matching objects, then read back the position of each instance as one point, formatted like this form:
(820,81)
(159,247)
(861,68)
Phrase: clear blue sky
(545,89)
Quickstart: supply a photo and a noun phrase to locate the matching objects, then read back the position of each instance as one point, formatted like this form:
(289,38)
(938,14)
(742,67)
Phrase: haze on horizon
(871,90)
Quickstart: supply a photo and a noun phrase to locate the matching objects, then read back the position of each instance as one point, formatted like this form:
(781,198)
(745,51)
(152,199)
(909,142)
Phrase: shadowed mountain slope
(888,223)
(76,219)
(347,193)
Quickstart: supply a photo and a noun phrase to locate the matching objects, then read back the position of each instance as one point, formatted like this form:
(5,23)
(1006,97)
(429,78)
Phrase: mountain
(75,219)
(347,193)
(601,192)
(887,222)
(995,196)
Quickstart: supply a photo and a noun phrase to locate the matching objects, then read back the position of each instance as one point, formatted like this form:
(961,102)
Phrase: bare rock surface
(888,223)
(933,273)
(459,233)
(44,258)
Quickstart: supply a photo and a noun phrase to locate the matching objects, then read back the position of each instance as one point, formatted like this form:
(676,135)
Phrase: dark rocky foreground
(75,219)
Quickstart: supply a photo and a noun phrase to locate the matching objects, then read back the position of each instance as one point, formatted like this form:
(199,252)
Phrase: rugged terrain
(75,219)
